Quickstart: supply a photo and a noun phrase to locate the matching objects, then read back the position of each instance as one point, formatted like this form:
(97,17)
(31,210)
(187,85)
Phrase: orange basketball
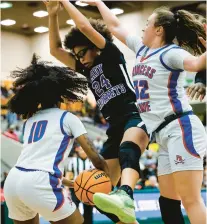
(89,182)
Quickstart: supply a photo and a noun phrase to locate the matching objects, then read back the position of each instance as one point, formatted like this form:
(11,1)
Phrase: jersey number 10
(37,131)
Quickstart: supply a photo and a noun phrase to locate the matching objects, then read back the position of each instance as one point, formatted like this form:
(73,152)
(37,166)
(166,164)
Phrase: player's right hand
(197,90)
(53,7)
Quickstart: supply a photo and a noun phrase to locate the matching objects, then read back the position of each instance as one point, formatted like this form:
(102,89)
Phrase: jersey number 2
(37,131)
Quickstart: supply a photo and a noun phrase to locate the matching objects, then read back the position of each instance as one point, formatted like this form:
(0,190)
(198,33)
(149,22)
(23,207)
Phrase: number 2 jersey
(48,138)
(159,88)
(110,83)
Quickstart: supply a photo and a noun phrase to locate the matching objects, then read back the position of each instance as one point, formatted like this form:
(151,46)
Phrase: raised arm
(84,25)
(53,7)
(89,148)
(110,19)
(195,64)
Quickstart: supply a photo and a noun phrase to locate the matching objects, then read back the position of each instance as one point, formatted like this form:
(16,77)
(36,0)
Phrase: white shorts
(183,144)
(29,193)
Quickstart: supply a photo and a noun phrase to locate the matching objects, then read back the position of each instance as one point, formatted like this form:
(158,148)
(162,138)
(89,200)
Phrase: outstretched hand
(53,7)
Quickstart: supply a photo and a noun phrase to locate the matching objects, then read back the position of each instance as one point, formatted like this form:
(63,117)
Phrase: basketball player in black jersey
(93,54)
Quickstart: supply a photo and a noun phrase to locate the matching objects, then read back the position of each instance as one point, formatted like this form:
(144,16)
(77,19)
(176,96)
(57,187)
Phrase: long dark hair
(183,25)
(42,85)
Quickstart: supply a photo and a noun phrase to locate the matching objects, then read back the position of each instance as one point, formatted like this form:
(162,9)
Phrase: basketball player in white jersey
(34,185)
(158,77)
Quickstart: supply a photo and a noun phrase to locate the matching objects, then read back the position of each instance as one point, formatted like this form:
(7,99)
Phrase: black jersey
(110,82)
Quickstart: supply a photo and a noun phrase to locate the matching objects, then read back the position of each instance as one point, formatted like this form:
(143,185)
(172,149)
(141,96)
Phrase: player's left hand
(197,90)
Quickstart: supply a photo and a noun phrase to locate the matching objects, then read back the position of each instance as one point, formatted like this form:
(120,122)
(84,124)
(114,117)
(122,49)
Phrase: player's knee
(129,156)
(191,201)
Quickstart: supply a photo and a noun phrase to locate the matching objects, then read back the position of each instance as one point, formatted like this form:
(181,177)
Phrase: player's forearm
(195,64)
(54,35)
(99,162)
(92,153)
(109,18)
(68,183)
(79,19)
(201,62)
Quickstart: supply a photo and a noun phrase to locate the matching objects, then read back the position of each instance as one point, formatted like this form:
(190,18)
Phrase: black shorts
(115,133)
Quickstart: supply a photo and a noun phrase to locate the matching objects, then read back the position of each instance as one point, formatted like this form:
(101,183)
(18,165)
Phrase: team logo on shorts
(179,159)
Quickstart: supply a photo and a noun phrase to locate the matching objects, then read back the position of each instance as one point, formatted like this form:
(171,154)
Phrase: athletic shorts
(182,144)
(116,131)
(30,192)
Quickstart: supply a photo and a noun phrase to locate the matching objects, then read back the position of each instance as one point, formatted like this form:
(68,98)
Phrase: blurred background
(24,31)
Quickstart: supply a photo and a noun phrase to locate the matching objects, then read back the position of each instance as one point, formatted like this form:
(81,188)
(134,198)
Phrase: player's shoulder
(70,118)
(68,114)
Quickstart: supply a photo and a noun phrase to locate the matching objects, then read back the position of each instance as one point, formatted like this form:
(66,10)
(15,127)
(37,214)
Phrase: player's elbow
(55,48)
(195,64)
(85,28)
(54,51)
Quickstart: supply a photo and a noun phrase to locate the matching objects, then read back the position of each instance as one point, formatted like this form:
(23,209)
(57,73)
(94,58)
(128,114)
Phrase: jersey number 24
(104,83)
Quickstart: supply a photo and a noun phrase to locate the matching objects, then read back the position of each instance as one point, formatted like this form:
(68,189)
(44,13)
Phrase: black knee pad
(171,211)
(129,156)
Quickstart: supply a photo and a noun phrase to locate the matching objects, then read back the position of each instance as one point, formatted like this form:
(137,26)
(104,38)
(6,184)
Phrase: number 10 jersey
(48,138)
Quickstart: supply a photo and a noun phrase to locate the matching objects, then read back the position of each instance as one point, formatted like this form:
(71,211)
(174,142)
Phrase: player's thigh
(135,131)
(186,144)
(188,184)
(114,170)
(44,194)
(35,220)
(75,218)
(110,153)
(110,148)
(187,147)
(18,210)
(167,187)
(165,177)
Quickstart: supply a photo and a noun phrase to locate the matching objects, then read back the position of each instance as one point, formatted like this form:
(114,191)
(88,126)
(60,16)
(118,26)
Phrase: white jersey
(48,139)
(159,89)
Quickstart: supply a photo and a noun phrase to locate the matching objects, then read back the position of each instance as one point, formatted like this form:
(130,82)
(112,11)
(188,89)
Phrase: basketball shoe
(118,203)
